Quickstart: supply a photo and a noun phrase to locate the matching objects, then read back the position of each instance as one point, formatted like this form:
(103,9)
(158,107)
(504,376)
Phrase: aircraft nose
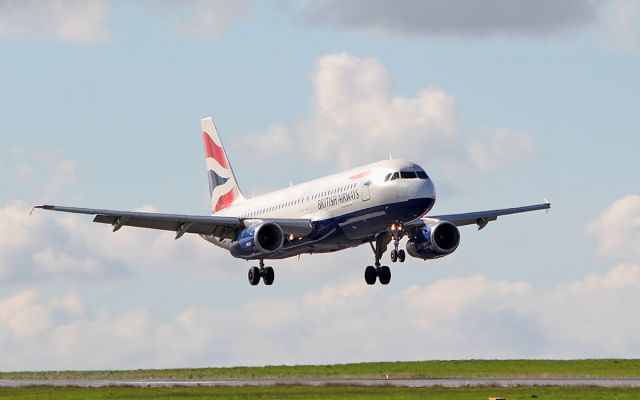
(421,189)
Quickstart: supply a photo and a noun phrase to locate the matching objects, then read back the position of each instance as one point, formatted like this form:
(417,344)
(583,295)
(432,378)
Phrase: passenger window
(395,176)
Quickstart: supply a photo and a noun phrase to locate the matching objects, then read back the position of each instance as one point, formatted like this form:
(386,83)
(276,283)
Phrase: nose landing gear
(266,273)
(397,232)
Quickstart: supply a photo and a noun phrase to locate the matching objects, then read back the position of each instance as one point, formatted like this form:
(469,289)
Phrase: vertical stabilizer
(223,187)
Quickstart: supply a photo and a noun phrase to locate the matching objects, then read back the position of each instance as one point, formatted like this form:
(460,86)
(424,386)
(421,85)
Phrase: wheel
(394,255)
(268,276)
(370,275)
(254,276)
(401,255)
(384,275)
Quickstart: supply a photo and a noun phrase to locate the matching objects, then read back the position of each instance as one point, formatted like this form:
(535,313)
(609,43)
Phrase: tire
(254,276)
(268,277)
(370,275)
(401,255)
(384,275)
(394,255)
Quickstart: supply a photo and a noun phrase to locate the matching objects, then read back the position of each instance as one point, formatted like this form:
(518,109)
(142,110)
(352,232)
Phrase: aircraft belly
(338,232)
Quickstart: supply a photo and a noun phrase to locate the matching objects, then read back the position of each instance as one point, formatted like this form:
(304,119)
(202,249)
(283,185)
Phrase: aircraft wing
(223,227)
(481,218)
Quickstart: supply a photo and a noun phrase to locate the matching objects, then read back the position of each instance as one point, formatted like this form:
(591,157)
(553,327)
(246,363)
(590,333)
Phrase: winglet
(547,202)
(44,207)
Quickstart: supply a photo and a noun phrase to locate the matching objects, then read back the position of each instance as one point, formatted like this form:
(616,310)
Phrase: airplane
(376,204)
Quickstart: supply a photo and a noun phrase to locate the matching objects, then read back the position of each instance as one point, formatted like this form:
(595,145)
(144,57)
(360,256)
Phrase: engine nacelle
(261,239)
(434,241)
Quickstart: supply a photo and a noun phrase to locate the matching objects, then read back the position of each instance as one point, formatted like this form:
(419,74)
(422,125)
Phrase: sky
(503,102)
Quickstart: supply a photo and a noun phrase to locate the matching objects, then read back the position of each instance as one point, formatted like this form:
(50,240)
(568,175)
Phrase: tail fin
(223,186)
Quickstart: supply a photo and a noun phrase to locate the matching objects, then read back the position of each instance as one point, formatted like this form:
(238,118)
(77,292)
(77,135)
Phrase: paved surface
(321,382)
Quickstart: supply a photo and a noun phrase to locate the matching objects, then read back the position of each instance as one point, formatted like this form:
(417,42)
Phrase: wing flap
(164,225)
(223,227)
(181,224)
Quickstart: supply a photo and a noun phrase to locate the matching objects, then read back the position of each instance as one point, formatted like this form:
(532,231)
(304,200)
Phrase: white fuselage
(350,205)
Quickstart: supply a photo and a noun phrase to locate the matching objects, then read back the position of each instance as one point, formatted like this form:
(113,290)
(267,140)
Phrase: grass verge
(596,368)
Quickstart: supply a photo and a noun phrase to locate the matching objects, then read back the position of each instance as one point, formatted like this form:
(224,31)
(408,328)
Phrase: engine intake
(261,239)
(434,241)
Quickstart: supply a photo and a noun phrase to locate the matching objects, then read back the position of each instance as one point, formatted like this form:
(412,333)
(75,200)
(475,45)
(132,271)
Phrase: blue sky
(502,105)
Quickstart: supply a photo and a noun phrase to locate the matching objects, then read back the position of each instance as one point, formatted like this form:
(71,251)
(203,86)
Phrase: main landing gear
(382,273)
(397,231)
(266,273)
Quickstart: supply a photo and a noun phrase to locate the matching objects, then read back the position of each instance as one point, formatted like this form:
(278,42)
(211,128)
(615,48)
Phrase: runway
(417,383)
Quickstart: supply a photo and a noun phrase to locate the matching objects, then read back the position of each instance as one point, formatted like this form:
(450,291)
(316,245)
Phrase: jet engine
(434,240)
(258,240)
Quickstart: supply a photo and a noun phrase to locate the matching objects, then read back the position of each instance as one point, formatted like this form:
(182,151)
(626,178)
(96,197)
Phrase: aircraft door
(365,189)
(304,204)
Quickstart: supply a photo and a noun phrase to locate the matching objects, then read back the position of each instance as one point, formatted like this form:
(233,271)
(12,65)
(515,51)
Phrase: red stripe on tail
(214,151)
(226,200)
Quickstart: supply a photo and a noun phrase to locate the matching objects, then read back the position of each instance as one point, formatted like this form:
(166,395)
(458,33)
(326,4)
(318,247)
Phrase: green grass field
(603,368)
(324,392)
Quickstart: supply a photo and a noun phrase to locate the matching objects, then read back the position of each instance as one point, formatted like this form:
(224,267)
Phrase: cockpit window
(407,174)
(386,178)
(422,175)
(395,175)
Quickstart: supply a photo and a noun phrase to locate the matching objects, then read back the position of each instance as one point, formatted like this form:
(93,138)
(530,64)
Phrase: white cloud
(354,107)
(593,316)
(77,21)
(35,248)
(48,245)
(87,21)
(276,139)
(27,314)
(52,262)
(329,298)
(457,317)
(503,147)
(357,118)
(617,229)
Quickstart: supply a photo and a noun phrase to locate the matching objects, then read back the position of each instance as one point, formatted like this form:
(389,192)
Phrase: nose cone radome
(421,189)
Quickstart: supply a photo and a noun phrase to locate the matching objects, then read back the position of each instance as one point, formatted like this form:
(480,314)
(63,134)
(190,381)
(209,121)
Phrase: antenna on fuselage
(390,158)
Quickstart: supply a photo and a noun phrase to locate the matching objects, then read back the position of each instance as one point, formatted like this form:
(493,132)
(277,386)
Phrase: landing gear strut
(382,273)
(266,273)
(397,231)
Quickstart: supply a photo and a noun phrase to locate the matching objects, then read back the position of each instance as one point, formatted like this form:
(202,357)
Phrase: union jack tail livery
(223,186)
